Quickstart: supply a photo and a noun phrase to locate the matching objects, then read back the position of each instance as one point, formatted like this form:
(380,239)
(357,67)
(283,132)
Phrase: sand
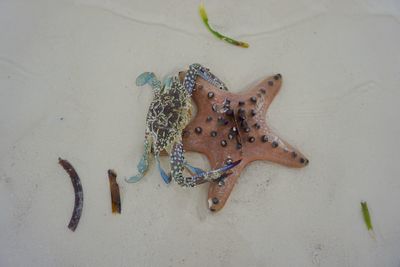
(67,72)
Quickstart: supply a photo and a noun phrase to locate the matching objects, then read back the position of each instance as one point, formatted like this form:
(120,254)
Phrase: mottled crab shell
(169,113)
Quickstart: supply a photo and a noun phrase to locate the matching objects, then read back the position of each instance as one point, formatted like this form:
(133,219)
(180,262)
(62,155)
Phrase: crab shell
(169,113)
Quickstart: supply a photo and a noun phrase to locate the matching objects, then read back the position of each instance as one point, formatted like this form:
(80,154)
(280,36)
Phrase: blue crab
(168,115)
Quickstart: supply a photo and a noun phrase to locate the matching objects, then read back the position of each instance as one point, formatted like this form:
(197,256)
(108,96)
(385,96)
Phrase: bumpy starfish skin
(212,132)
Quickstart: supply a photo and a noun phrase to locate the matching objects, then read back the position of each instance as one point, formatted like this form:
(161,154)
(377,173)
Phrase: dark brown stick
(114,189)
(76,182)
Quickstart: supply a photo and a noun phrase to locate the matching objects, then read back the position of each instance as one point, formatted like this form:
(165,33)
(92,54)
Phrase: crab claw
(200,177)
(215,175)
(231,165)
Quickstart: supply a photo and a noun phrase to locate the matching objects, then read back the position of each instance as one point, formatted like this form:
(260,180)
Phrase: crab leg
(149,78)
(178,164)
(143,164)
(198,70)
(164,175)
(192,169)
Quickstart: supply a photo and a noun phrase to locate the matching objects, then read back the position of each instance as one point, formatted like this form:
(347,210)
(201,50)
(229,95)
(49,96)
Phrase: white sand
(78,60)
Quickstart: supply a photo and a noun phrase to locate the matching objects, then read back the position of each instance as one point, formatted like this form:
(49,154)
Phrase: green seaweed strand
(367,217)
(204,17)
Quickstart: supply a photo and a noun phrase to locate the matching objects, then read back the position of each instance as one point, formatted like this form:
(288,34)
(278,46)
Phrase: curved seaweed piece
(227,39)
(76,182)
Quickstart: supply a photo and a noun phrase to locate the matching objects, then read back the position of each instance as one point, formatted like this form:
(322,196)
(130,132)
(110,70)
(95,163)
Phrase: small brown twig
(114,189)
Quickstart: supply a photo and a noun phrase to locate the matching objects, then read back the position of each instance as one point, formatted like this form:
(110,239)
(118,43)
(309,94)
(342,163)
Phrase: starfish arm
(266,89)
(218,193)
(275,149)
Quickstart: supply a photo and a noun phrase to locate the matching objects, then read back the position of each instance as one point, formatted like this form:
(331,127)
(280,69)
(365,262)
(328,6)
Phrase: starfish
(229,127)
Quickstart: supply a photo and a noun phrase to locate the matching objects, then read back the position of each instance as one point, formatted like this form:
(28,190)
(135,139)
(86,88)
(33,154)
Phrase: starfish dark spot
(198,130)
(215,200)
